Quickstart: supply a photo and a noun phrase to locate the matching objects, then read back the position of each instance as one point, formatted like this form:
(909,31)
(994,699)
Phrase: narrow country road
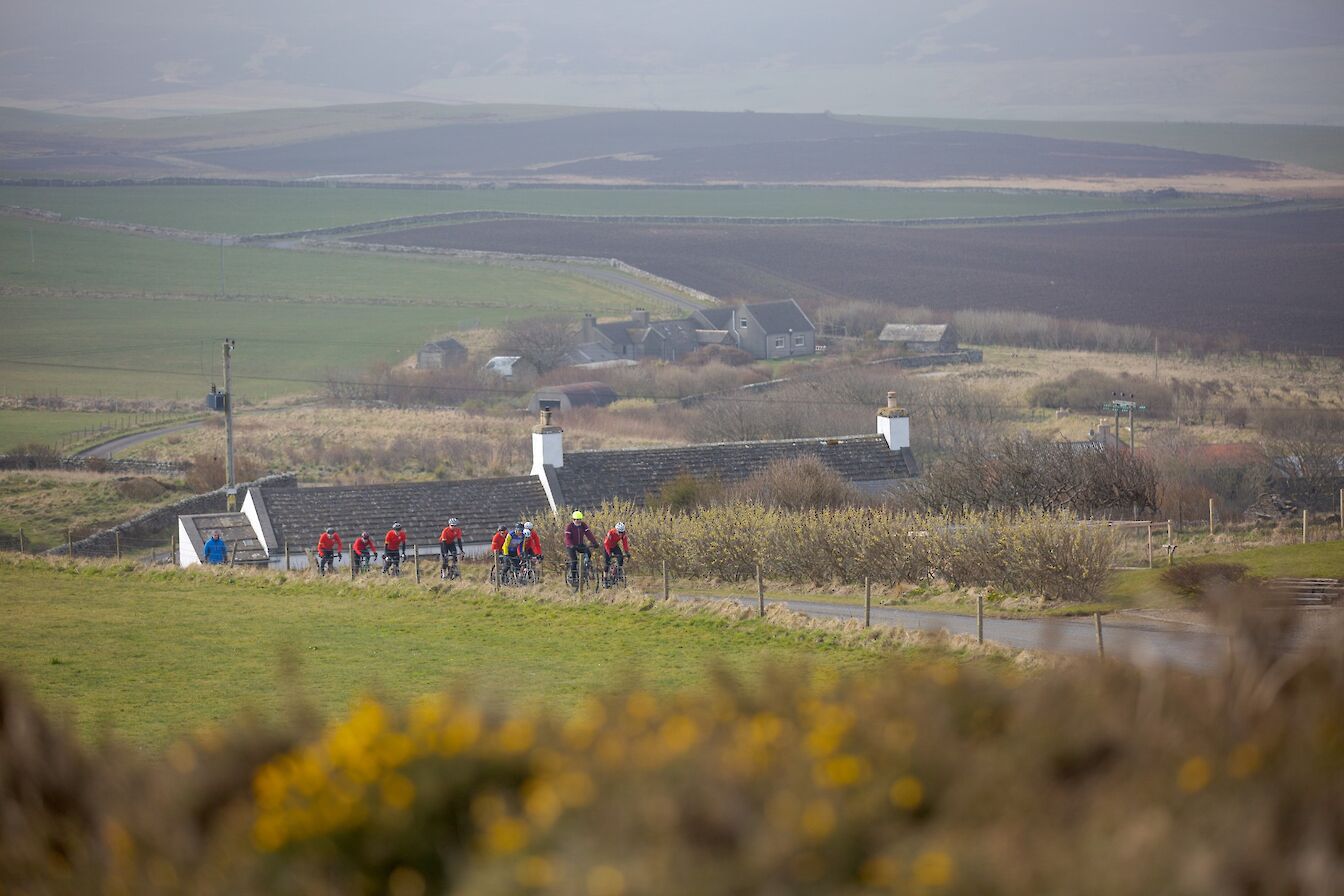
(110,449)
(1199,650)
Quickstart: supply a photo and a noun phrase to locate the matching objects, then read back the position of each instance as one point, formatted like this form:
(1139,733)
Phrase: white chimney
(893,424)
(547,444)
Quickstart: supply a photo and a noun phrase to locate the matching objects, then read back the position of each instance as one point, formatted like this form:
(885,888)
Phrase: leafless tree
(1306,451)
(540,341)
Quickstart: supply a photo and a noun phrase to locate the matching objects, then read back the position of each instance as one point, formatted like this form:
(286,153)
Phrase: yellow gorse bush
(1049,554)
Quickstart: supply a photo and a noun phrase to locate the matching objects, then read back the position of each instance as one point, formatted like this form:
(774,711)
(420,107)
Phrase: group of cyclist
(513,548)
(363,552)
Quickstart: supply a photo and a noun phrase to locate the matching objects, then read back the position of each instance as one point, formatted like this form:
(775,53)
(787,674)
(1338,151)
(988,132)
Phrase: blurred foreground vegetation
(927,778)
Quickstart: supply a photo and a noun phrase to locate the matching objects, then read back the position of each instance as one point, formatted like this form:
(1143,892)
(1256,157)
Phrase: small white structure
(893,424)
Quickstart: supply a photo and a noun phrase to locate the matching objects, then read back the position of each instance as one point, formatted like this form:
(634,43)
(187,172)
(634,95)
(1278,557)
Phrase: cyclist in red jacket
(533,541)
(394,547)
(450,542)
(328,547)
(363,551)
(616,544)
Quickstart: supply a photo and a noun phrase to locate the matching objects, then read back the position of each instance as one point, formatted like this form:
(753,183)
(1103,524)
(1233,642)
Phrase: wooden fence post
(494,571)
(286,555)
(416,548)
(1150,545)
(1304,525)
(69,543)
(760,590)
(979,619)
(116,536)
(1210,516)
(1171,555)
(21,536)
(666,590)
(1341,515)
(1101,647)
(867,602)
(354,564)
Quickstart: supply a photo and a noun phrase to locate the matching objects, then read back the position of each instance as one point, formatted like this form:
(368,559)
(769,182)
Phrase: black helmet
(502,528)
(331,530)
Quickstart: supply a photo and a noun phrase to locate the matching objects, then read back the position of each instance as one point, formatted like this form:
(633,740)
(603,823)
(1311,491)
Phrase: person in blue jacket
(215,549)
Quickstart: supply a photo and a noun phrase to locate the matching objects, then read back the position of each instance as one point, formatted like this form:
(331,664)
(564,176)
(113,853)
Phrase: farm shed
(573,395)
(440,354)
(933,338)
(509,367)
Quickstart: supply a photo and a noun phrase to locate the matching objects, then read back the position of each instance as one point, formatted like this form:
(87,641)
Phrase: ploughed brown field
(1275,279)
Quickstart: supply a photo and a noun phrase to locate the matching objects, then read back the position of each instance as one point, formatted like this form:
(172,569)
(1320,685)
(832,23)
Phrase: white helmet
(453,521)
(528,525)
(620,527)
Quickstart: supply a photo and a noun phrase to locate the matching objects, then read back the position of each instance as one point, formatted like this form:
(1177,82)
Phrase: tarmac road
(1140,643)
(110,449)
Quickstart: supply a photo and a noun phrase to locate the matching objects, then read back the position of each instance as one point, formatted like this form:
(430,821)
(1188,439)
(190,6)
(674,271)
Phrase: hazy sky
(1245,59)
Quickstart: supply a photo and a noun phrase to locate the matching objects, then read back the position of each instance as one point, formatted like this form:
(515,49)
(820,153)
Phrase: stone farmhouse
(440,354)
(274,520)
(765,329)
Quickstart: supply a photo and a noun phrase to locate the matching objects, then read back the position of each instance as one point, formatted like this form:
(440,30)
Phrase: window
(799,340)
(779,342)
(743,324)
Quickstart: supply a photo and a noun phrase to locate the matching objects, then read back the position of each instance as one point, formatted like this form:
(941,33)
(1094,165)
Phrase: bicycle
(448,568)
(585,576)
(615,577)
(326,562)
(529,571)
(392,564)
(364,562)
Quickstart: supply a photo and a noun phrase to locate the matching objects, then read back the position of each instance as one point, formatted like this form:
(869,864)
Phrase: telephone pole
(231,486)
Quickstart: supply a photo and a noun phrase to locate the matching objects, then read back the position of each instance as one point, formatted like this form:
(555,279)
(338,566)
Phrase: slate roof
(300,514)
(590,353)
(780,317)
(622,332)
(913,333)
(449,345)
(717,318)
(590,477)
(234,528)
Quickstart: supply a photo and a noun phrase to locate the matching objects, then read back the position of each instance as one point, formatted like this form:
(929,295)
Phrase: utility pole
(231,486)
(221,269)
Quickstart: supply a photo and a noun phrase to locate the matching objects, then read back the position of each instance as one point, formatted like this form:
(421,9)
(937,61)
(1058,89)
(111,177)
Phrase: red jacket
(614,538)
(451,535)
(362,546)
(497,543)
(395,540)
(534,544)
(327,542)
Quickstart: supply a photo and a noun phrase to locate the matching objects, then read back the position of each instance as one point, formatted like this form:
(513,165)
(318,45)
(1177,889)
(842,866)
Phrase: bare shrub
(1306,448)
(1040,474)
(719,354)
(1088,390)
(797,483)
(206,472)
(1042,331)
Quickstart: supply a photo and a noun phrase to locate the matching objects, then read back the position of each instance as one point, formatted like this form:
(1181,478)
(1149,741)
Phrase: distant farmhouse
(766,330)
(924,338)
(271,518)
(440,354)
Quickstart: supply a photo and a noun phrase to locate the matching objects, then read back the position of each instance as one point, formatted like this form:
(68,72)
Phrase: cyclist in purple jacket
(575,532)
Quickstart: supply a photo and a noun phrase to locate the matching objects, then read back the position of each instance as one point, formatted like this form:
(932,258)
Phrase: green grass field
(23,427)
(149,655)
(47,503)
(296,315)
(65,257)
(1310,145)
(282,209)
(1321,559)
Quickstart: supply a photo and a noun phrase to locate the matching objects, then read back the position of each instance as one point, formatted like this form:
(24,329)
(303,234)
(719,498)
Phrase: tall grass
(1046,554)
